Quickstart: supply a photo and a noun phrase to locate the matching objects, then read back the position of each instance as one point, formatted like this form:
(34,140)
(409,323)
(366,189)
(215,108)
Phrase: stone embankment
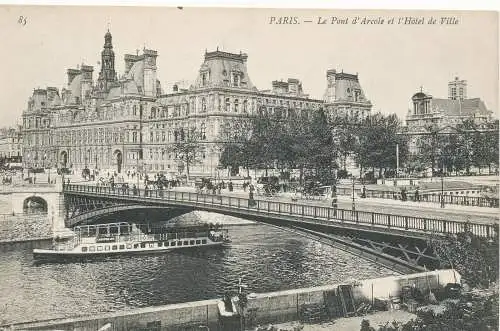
(24,227)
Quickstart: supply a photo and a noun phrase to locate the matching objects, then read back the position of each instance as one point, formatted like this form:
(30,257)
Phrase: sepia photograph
(194,168)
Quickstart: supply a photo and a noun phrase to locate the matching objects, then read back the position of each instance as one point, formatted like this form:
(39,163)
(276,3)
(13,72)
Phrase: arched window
(245,106)
(203,131)
(135,110)
(228,105)
(236,105)
(153,112)
(203,105)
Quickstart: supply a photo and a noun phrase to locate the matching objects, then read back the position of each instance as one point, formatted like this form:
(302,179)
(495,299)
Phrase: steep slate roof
(467,107)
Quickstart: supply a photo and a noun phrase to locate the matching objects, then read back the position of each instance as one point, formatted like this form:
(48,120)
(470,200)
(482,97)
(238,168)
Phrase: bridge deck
(324,215)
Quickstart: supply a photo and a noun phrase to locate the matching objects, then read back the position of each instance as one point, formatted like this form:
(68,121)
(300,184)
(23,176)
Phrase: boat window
(160,244)
(198,242)
(129,246)
(203,241)
(179,243)
(84,249)
(99,248)
(143,245)
(136,245)
(172,243)
(186,242)
(106,248)
(151,245)
(114,247)
(191,242)
(122,246)
(92,248)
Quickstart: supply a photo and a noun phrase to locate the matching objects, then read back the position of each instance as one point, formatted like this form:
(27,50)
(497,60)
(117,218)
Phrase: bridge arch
(35,204)
(99,214)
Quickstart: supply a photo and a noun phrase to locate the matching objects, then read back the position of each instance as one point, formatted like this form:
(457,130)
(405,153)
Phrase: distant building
(345,97)
(11,142)
(429,114)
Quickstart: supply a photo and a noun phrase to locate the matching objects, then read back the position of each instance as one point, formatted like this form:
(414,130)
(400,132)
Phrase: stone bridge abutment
(49,197)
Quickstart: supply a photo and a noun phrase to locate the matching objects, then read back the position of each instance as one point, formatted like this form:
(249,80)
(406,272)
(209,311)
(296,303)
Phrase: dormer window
(236,79)
(204,79)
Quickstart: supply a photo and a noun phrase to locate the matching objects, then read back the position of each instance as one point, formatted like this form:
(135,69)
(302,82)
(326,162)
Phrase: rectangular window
(92,248)
(122,246)
(191,242)
(114,247)
(84,249)
(179,243)
(186,242)
(106,248)
(143,245)
(136,245)
(198,242)
(203,241)
(99,248)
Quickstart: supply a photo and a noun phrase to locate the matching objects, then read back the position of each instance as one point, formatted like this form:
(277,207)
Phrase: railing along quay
(322,215)
(426,197)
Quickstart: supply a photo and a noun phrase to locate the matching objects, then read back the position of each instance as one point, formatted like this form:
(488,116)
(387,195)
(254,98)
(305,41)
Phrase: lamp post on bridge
(442,185)
(353,196)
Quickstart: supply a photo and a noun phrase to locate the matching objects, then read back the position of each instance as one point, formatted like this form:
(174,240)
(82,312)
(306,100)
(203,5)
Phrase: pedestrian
(251,201)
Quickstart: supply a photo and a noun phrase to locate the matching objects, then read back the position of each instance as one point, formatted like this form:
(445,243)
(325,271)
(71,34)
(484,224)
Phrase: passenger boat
(115,239)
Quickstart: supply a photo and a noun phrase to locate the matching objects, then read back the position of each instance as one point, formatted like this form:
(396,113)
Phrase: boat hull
(48,255)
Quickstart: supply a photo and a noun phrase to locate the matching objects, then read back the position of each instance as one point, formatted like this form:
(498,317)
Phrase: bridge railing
(434,197)
(305,212)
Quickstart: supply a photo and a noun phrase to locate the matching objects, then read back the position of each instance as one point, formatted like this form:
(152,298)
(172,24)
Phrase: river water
(266,258)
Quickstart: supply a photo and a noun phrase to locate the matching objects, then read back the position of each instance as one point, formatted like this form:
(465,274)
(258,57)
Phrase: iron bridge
(401,243)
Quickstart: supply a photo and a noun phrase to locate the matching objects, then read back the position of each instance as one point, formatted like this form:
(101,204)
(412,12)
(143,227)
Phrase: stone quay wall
(261,309)
(24,227)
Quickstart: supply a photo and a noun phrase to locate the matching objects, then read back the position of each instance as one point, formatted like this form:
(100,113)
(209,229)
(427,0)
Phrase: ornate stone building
(429,114)
(128,122)
(345,97)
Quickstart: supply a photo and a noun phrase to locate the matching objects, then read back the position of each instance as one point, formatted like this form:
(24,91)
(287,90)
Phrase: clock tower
(108,74)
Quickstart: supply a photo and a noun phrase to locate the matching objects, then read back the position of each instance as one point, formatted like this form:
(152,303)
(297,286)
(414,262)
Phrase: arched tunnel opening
(35,205)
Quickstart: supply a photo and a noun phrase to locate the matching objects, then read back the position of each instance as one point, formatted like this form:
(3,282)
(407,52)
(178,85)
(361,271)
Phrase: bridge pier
(54,199)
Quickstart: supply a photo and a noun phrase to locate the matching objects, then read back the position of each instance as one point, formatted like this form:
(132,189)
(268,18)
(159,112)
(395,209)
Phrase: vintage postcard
(190,168)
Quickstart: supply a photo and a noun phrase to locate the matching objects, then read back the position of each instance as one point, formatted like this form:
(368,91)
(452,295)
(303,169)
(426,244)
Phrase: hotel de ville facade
(127,122)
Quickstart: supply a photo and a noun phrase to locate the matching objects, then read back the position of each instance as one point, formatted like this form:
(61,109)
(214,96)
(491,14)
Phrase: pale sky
(393,61)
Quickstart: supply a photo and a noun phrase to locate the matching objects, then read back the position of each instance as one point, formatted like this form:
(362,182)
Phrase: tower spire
(108,73)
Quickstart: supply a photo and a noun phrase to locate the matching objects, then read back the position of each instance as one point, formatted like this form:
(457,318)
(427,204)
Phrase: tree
(320,146)
(187,148)
(378,137)
(345,137)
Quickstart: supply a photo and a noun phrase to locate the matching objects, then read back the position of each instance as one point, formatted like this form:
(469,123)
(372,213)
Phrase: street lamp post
(442,187)
(353,197)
